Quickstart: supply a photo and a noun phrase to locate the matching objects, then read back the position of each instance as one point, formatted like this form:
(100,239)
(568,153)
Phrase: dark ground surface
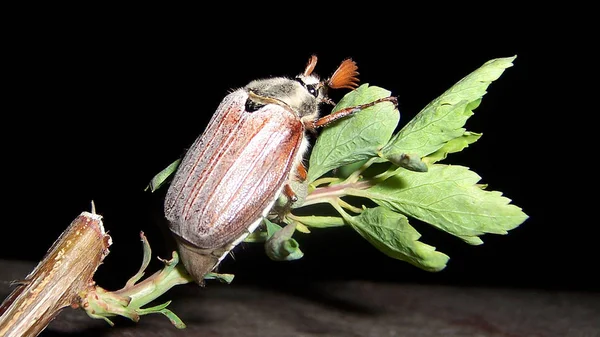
(353,308)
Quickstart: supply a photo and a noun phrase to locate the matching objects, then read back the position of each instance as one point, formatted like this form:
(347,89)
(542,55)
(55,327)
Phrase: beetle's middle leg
(293,194)
(295,188)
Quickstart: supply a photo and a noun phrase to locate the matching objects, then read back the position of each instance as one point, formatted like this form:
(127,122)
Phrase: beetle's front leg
(323,121)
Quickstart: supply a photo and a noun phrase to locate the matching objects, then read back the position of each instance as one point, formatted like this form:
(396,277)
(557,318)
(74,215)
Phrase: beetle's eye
(312,89)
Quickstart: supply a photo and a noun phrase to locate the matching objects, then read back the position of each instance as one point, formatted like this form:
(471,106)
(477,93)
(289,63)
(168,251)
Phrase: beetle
(251,150)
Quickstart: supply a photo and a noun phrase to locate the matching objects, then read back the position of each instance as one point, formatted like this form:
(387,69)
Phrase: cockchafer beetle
(246,158)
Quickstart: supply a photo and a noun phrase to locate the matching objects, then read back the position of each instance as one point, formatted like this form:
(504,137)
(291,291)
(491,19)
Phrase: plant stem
(326,194)
(356,174)
(348,206)
(128,301)
(66,270)
(155,285)
(325,180)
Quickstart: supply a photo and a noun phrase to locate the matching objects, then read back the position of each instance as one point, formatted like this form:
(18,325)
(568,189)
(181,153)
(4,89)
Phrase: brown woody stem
(66,270)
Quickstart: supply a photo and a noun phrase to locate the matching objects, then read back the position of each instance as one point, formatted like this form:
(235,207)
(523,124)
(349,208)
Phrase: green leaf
(152,310)
(357,137)
(262,234)
(147,255)
(227,278)
(408,161)
(271,228)
(162,309)
(320,221)
(300,227)
(256,236)
(346,170)
(281,246)
(174,319)
(162,176)
(452,146)
(443,119)
(449,198)
(391,233)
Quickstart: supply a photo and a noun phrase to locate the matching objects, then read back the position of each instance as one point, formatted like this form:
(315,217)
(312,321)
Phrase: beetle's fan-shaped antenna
(345,76)
(310,66)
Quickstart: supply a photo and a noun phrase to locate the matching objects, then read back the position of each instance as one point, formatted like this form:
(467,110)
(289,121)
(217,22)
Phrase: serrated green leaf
(391,233)
(357,137)
(452,146)
(162,176)
(443,119)
(449,198)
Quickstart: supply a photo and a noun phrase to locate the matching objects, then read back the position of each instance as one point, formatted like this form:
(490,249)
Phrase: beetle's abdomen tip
(197,262)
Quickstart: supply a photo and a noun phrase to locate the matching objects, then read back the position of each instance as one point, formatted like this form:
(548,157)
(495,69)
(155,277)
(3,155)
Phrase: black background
(93,109)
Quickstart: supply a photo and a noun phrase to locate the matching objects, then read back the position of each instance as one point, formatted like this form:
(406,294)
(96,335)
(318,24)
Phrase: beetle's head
(345,76)
(303,95)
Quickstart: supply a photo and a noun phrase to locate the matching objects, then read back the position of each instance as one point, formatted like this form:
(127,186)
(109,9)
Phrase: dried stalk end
(66,270)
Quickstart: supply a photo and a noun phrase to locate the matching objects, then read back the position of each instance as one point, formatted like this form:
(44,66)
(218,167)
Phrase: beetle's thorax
(300,95)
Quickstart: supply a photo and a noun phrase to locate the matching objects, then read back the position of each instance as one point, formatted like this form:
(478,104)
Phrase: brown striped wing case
(233,172)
